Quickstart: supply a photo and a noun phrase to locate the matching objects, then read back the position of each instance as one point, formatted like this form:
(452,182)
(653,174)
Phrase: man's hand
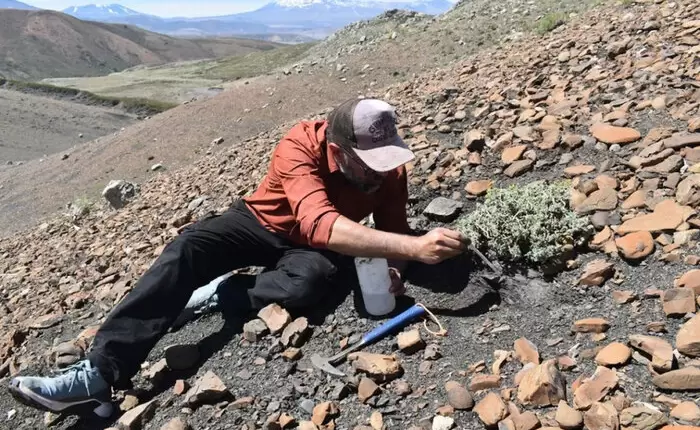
(397,287)
(440,244)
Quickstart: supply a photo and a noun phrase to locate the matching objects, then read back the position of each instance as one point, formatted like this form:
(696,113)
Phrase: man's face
(356,171)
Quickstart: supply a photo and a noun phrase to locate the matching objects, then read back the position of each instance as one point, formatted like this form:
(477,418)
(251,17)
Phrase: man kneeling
(324,177)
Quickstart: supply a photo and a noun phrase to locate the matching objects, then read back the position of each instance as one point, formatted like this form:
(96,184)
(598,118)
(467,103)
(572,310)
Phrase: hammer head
(322,363)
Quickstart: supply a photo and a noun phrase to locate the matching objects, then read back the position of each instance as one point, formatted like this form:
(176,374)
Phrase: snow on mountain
(102,12)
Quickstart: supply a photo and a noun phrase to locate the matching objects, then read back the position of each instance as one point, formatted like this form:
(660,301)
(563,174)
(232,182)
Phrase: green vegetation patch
(532,223)
(550,21)
(133,105)
(255,63)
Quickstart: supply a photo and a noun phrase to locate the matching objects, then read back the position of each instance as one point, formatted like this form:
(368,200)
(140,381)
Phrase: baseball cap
(368,128)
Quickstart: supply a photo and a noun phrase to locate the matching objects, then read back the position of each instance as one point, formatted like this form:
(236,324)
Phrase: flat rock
(458,396)
(478,188)
(491,409)
(635,246)
(596,273)
(296,333)
(678,302)
(275,318)
(687,378)
(601,416)
(680,140)
(526,351)
(600,200)
(137,418)
(542,386)
(443,209)
(635,200)
(614,354)
(614,135)
(410,341)
(667,215)
(688,190)
(642,418)
(484,382)
(512,153)
(567,417)
(581,169)
(208,389)
(366,389)
(595,388)
(688,412)
(688,338)
(658,349)
(591,325)
(254,330)
(518,168)
(378,366)
(324,412)
(690,279)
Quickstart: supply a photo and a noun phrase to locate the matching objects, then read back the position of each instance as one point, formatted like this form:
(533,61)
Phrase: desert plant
(550,21)
(532,222)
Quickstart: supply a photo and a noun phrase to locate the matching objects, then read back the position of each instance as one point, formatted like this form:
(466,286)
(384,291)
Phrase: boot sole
(100,408)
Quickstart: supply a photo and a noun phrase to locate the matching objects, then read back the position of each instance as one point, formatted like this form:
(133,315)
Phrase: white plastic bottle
(374,279)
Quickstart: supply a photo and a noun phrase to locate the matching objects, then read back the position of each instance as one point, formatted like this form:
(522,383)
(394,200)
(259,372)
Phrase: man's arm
(351,238)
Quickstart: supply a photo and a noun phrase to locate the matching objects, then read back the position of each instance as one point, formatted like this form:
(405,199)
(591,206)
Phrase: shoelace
(78,369)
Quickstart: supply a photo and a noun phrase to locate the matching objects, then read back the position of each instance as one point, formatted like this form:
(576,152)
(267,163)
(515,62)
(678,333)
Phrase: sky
(163,8)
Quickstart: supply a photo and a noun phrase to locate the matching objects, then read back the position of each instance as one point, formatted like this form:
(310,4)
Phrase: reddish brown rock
(274,317)
(578,170)
(567,417)
(595,388)
(601,200)
(686,411)
(667,215)
(624,297)
(688,337)
(687,378)
(610,134)
(678,301)
(484,382)
(601,416)
(324,412)
(478,188)
(690,279)
(591,325)
(656,348)
(614,354)
(544,385)
(526,351)
(378,366)
(596,273)
(513,153)
(458,396)
(366,389)
(491,409)
(635,246)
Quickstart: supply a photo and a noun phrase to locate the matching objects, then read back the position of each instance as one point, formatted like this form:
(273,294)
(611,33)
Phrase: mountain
(103,12)
(312,18)
(333,13)
(12,4)
(48,44)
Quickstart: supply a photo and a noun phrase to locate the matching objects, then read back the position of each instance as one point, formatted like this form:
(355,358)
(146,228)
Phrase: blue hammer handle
(398,321)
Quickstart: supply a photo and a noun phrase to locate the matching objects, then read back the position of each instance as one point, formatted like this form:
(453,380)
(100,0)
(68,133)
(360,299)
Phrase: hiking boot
(73,388)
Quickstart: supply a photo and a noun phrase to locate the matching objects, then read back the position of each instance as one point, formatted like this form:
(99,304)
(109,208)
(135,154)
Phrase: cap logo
(382,129)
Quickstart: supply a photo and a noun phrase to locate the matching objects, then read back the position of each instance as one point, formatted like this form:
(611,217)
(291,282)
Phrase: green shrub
(550,21)
(531,222)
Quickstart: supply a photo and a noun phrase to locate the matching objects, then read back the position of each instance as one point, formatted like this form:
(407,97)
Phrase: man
(324,177)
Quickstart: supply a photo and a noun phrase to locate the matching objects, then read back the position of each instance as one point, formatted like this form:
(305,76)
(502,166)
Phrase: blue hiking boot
(74,388)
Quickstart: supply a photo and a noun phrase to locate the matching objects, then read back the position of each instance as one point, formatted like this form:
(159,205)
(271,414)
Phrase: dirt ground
(35,126)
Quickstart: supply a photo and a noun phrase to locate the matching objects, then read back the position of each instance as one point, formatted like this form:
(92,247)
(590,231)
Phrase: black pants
(203,251)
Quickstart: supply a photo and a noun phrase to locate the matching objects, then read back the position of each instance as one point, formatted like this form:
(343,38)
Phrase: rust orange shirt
(304,192)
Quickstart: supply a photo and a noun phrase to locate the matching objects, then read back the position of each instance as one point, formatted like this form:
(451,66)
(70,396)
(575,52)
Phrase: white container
(373,275)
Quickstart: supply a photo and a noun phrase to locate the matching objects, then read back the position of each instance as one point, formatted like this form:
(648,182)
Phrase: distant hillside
(12,4)
(276,20)
(46,44)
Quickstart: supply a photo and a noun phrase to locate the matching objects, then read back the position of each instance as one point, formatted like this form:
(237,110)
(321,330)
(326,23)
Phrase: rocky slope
(610,101)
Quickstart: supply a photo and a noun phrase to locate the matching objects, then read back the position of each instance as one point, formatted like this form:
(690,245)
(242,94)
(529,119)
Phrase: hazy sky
(164,8)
